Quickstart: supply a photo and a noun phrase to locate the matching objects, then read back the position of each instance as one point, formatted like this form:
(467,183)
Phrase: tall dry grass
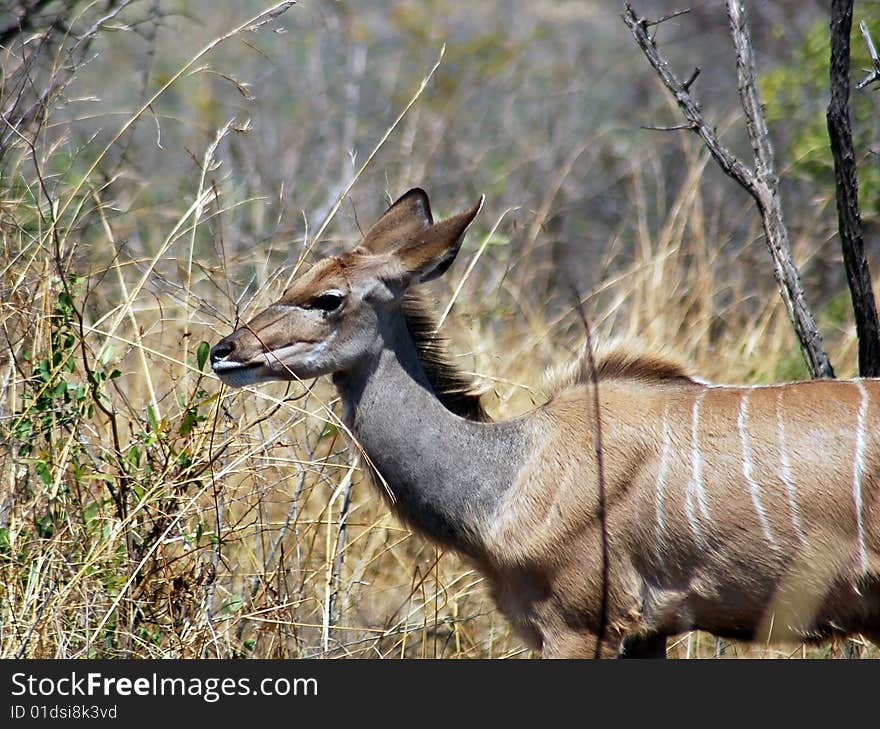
(145,510)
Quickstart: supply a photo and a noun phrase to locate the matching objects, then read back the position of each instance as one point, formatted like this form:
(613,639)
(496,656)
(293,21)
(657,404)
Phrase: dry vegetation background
(145,510)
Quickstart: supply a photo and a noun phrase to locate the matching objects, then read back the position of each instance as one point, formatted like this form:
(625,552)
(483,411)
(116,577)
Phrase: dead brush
(146,512)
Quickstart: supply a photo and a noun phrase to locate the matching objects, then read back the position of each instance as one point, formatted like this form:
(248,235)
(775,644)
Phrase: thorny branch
(875,59)
(761,183)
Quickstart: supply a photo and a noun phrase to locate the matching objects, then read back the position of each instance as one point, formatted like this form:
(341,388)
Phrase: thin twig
(668,16)
(668,127)
(693,77)
(600,476)
(875,59)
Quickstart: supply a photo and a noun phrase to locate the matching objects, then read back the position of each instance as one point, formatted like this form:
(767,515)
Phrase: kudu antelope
(748,512)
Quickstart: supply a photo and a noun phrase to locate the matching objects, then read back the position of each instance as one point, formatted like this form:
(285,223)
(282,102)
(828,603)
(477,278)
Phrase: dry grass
(145,510)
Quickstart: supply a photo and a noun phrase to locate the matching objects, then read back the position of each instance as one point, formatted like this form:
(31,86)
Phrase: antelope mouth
(225,364)
(267,366)
(238,374)
(295,361)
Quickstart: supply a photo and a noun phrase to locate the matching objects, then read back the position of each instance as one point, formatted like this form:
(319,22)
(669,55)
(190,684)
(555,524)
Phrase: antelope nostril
(221,350)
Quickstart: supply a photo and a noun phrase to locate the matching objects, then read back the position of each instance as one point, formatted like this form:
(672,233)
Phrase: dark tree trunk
(848,217)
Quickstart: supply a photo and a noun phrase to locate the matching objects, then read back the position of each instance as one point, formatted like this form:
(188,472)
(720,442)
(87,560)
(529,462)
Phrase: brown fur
(737,585)
(751,513)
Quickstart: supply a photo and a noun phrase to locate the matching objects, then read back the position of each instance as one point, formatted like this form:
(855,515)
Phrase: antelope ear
(407,217)
(429,254)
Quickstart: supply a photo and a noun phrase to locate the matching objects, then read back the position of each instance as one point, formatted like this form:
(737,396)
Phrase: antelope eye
(327,302)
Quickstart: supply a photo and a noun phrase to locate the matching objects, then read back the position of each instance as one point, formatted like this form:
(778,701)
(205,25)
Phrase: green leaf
(45,526)
(202,354)
(151,416)
(44,473)
(106,477)
(91,510)
(232,605)
(329,431)
(188,422)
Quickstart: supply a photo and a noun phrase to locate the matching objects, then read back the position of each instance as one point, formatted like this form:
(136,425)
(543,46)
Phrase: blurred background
(146,510)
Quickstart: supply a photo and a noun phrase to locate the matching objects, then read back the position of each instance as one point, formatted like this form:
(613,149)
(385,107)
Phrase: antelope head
(332,316)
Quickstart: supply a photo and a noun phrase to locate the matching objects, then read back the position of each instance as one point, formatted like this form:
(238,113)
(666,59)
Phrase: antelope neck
(447,474)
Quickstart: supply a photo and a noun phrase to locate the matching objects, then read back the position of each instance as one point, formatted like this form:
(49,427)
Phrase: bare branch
(875,59)
(747,83)
(761,183)
(849,218)
(690,82)
(688,105)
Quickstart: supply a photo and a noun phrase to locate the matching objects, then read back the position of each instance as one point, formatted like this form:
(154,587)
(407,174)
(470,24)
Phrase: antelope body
(750,513)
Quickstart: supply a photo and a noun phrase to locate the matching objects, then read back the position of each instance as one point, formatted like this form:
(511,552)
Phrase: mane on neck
(456,390)
(620,362)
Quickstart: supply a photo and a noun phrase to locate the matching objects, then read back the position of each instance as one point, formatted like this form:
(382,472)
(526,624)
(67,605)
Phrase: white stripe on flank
(695,486)
(858,470)
(754,486)
(785,470)
(661,486)
(689,510)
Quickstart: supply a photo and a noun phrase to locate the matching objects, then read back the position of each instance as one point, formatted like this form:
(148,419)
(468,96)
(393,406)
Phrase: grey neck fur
(446,473)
